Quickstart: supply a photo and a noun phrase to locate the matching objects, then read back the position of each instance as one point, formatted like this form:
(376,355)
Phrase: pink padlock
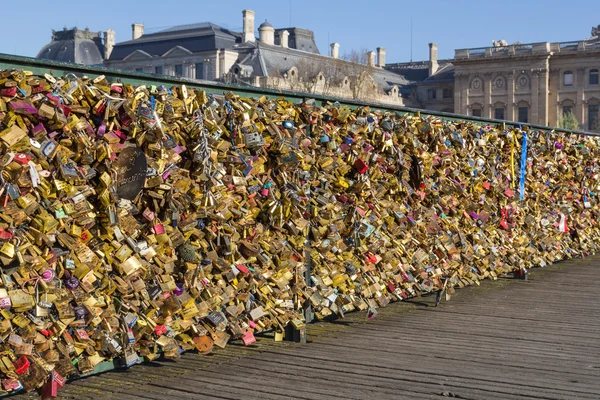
(120,134)
(248,338)
(5,302)
(264,191)
(48,275)
(159,229)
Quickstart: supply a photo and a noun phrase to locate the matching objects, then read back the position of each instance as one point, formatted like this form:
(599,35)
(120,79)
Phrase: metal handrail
(8,61)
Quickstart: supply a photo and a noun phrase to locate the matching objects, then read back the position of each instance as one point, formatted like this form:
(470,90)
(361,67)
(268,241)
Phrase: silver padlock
(253,139)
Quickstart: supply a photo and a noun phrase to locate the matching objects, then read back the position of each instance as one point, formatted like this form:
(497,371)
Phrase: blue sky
(354,24)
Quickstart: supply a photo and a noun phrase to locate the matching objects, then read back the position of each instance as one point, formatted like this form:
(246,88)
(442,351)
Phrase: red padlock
(160,330)
(51,387)
(22,159)
(243,269)
(361,166)
(66,110)
(8,92)
(391,287)
(22,365)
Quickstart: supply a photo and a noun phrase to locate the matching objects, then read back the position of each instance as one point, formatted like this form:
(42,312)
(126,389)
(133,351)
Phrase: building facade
(79,46)
(283,58)
(431,82)
(195,51)
(531,83)
(269,61)
(534,83)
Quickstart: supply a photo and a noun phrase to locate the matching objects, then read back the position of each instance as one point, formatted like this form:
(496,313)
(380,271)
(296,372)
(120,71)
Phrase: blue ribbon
(523,167)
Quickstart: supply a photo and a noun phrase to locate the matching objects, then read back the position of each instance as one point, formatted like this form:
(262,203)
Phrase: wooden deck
(508,339)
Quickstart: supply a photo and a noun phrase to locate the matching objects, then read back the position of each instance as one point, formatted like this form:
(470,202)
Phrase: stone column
(580,100)
(221,57)
(464,94)
(554,100)
(543,95)
(487,95)
(458,81)
(217,66)
(510,108)
(535,95)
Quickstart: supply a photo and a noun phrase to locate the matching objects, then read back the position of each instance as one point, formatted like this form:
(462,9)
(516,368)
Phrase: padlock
(213,244)
(130,358)
(41,307)
(253,140)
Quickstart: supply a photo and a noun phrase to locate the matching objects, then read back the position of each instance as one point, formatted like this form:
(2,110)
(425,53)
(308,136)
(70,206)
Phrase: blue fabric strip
(523,167)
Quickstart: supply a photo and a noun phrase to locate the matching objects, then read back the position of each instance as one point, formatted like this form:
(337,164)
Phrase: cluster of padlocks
(145,221)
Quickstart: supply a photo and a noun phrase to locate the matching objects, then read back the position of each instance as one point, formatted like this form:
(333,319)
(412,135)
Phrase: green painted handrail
(39,67)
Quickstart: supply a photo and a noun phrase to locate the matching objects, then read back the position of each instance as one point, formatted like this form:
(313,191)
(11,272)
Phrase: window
(499,113)
(139,70)
(200,71)
(593,77)
(179,70)
(567,109)
(158,70)
(431,95)
(523,114)
(568,78)
(476,112)
(447,93)
(593,117)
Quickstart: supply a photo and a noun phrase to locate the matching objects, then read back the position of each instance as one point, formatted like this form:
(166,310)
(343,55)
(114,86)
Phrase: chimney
(137,30)
(371,58)
(380,57)
(266,33)
(433,59)
(335,50)
(284,38)
(109,42)
(248,26)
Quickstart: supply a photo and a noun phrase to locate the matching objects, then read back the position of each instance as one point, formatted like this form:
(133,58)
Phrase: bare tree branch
(357,56)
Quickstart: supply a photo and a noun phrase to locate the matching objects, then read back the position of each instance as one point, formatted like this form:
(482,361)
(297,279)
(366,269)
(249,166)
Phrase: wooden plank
(505,340)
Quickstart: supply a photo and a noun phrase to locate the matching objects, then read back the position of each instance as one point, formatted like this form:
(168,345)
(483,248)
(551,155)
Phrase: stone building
(272,62)
(196,51)
(79,46)
(431,82)
(532,83)
(284,58)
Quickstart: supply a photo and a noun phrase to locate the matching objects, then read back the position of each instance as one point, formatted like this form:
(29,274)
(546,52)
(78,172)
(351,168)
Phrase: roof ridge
(261,61)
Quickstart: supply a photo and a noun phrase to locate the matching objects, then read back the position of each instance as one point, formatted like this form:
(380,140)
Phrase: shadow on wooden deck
(506,339)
